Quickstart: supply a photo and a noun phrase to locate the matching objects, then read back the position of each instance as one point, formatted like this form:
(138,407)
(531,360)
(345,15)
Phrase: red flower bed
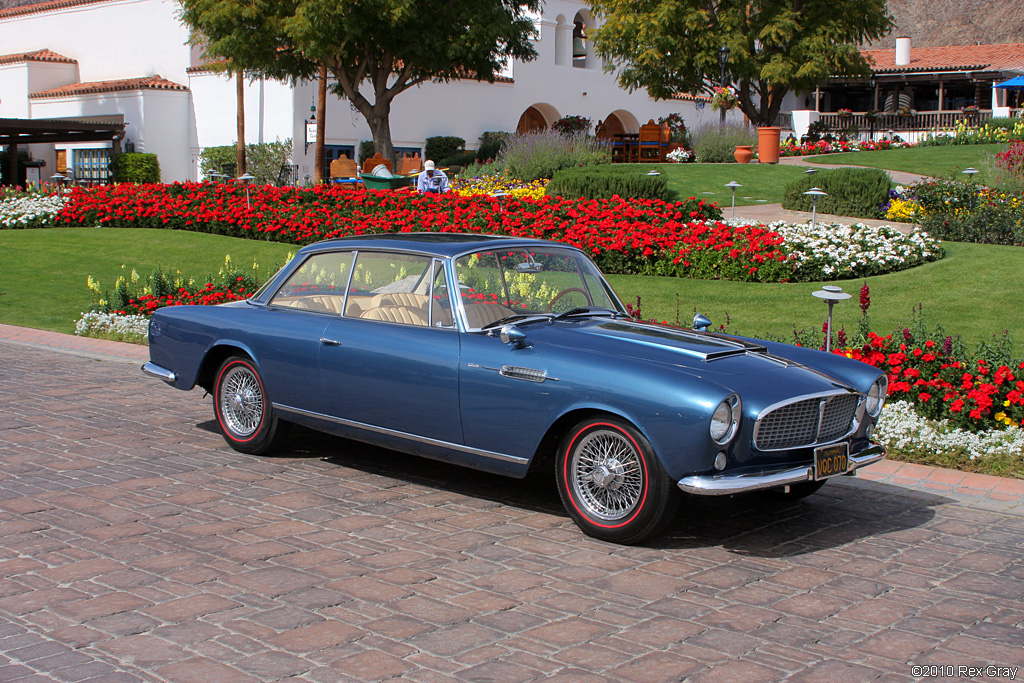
(975,396)
(623,236)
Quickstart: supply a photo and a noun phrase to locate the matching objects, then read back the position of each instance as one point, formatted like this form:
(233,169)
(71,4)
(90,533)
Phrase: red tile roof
(147,83)
(37,56)
(44,7)
(1001,57)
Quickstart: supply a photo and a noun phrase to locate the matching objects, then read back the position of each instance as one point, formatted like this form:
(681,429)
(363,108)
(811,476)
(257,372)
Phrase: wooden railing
(918,121)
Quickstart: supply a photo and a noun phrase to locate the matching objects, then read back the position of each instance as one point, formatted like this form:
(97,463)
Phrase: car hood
(728,361)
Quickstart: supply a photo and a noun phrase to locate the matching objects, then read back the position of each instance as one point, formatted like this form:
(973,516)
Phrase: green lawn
(935,162)
(43,272)
(970,292)
(762,183)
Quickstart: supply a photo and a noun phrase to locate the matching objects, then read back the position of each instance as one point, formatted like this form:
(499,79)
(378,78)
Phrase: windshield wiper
(590,310)
(523,317)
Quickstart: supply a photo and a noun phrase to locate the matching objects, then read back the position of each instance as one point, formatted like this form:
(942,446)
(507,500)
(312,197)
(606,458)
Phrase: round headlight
(725,419)
(876,396)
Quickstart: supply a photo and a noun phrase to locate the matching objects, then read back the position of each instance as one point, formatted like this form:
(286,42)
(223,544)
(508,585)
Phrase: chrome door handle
(329,342)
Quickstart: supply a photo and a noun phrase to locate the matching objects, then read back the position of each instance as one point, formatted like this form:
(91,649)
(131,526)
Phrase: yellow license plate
(831,461)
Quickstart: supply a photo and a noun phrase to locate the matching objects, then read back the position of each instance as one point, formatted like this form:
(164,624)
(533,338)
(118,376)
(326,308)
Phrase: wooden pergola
(17,132)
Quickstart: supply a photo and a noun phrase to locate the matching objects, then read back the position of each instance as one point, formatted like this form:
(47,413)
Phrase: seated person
(432,180)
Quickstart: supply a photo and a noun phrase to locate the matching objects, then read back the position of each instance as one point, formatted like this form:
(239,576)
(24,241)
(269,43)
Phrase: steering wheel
(563,293)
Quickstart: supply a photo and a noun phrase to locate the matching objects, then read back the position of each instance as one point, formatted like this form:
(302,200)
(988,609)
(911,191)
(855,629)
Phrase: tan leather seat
(405,315)
(478,315)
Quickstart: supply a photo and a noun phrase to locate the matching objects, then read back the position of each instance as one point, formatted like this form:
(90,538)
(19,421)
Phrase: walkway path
(135,546)
(769,213)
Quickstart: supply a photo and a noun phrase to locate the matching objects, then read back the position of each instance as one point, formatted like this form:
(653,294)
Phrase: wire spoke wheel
(241,401)
(607,476)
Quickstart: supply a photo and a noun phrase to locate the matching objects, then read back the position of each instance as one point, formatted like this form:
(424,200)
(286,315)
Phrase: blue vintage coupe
(499,354)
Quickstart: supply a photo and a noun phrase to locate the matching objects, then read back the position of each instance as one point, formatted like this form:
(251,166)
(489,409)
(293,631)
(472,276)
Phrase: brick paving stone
(136,546)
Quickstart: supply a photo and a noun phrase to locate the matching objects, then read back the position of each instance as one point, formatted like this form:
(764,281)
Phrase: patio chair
(650,149)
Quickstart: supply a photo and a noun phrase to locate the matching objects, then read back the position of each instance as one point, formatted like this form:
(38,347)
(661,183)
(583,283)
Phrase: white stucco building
(128,60)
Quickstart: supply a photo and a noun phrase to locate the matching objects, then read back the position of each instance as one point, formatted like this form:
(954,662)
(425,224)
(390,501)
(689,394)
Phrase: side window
(391,287)
(318,284)
(441,308)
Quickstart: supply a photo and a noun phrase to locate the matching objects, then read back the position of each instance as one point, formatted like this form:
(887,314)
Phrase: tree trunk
(321,128)
(380,127)
(240,122)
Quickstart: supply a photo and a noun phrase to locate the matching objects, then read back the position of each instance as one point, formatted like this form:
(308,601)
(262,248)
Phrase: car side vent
(528,374)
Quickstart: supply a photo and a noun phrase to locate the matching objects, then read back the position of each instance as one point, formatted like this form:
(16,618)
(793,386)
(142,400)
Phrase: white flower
(900,428)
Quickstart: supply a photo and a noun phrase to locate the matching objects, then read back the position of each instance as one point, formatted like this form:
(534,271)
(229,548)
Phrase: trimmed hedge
(136,167)
(444,149)
(858,192)
(606,181)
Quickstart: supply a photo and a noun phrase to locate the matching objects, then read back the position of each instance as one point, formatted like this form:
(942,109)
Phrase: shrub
(715,143)
(572,125)
(136,167)
(860,192)
(604,182)
(1012,160)
(366,150)
(443,148)
(490,145)
(263,160)
(678,132)
(539,154)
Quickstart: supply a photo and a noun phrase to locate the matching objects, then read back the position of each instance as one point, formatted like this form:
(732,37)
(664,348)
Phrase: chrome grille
(806,422)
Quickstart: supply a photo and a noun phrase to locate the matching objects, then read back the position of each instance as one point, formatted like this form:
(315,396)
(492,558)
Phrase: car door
(391,361)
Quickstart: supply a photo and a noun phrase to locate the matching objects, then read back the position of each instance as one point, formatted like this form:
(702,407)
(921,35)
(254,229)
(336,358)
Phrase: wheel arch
(546,451)
(214,358)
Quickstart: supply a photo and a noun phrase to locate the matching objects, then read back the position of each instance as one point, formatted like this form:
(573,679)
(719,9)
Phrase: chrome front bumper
(154,370)
(728,484)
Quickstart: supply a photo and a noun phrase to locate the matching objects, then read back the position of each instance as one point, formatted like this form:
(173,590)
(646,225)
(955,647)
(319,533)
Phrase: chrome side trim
(404,435)
(154,370)
(728,484)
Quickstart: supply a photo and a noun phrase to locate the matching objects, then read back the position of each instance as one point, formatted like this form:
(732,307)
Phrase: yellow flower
(999,417)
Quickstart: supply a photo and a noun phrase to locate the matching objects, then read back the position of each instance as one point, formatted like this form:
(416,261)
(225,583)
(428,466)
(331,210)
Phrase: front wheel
(243,411)
(611,483)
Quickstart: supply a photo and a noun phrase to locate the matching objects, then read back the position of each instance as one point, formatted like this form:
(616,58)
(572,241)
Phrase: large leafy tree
(373,49)
(775,46)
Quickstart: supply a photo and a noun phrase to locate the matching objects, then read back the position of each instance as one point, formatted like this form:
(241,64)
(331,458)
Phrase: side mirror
(510,334)
(701,322)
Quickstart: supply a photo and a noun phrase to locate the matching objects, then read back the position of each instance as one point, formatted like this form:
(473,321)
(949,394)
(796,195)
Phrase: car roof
(442,244)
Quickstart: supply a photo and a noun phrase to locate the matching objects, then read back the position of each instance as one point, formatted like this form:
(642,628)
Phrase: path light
(814,193)
(969,172)
(831,294)
(653,172)
(246,178)
(60,178)
(810,171)
(500,194)
(733,184)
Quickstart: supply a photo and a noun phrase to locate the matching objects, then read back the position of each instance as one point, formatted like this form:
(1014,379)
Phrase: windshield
(503,283)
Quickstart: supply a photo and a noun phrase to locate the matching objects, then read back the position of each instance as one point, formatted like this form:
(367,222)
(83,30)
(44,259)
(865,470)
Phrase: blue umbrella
(1017,82)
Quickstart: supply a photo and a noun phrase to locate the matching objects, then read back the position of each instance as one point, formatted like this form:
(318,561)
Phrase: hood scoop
(704,346)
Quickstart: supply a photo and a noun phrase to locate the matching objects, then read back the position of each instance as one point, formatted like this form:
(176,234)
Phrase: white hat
(428,165)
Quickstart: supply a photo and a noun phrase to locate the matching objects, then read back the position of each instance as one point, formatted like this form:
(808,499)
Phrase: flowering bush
(1011,160)
(901,429)
(128,328)
(964,212)
(572,125)
(791,148)
(33,210)
(974,395)
(833,252)
(501,182)
(679,155)
(642,236)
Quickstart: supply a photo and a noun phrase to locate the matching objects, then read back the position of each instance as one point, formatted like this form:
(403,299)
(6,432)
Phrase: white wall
(117,39)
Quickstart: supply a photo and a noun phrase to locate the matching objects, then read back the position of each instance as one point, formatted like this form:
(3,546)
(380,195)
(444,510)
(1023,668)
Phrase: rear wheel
(611,483)
(243,411)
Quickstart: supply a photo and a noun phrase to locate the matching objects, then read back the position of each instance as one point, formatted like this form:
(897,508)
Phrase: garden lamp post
(500,194)
(733,184)
(810,171)
(59,177)
(653,172)
(247,179)
(723,61)
(814,193)
(831,294)
(873,84)
(970,173)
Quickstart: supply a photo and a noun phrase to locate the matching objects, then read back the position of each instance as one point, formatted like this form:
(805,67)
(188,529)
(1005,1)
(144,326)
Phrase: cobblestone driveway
(135,546)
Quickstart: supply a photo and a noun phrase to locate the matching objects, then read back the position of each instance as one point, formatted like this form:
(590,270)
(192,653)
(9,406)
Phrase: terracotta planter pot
(768,144)
(743,154)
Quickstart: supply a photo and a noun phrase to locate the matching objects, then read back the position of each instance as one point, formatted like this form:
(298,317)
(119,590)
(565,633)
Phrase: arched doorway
(531,120)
